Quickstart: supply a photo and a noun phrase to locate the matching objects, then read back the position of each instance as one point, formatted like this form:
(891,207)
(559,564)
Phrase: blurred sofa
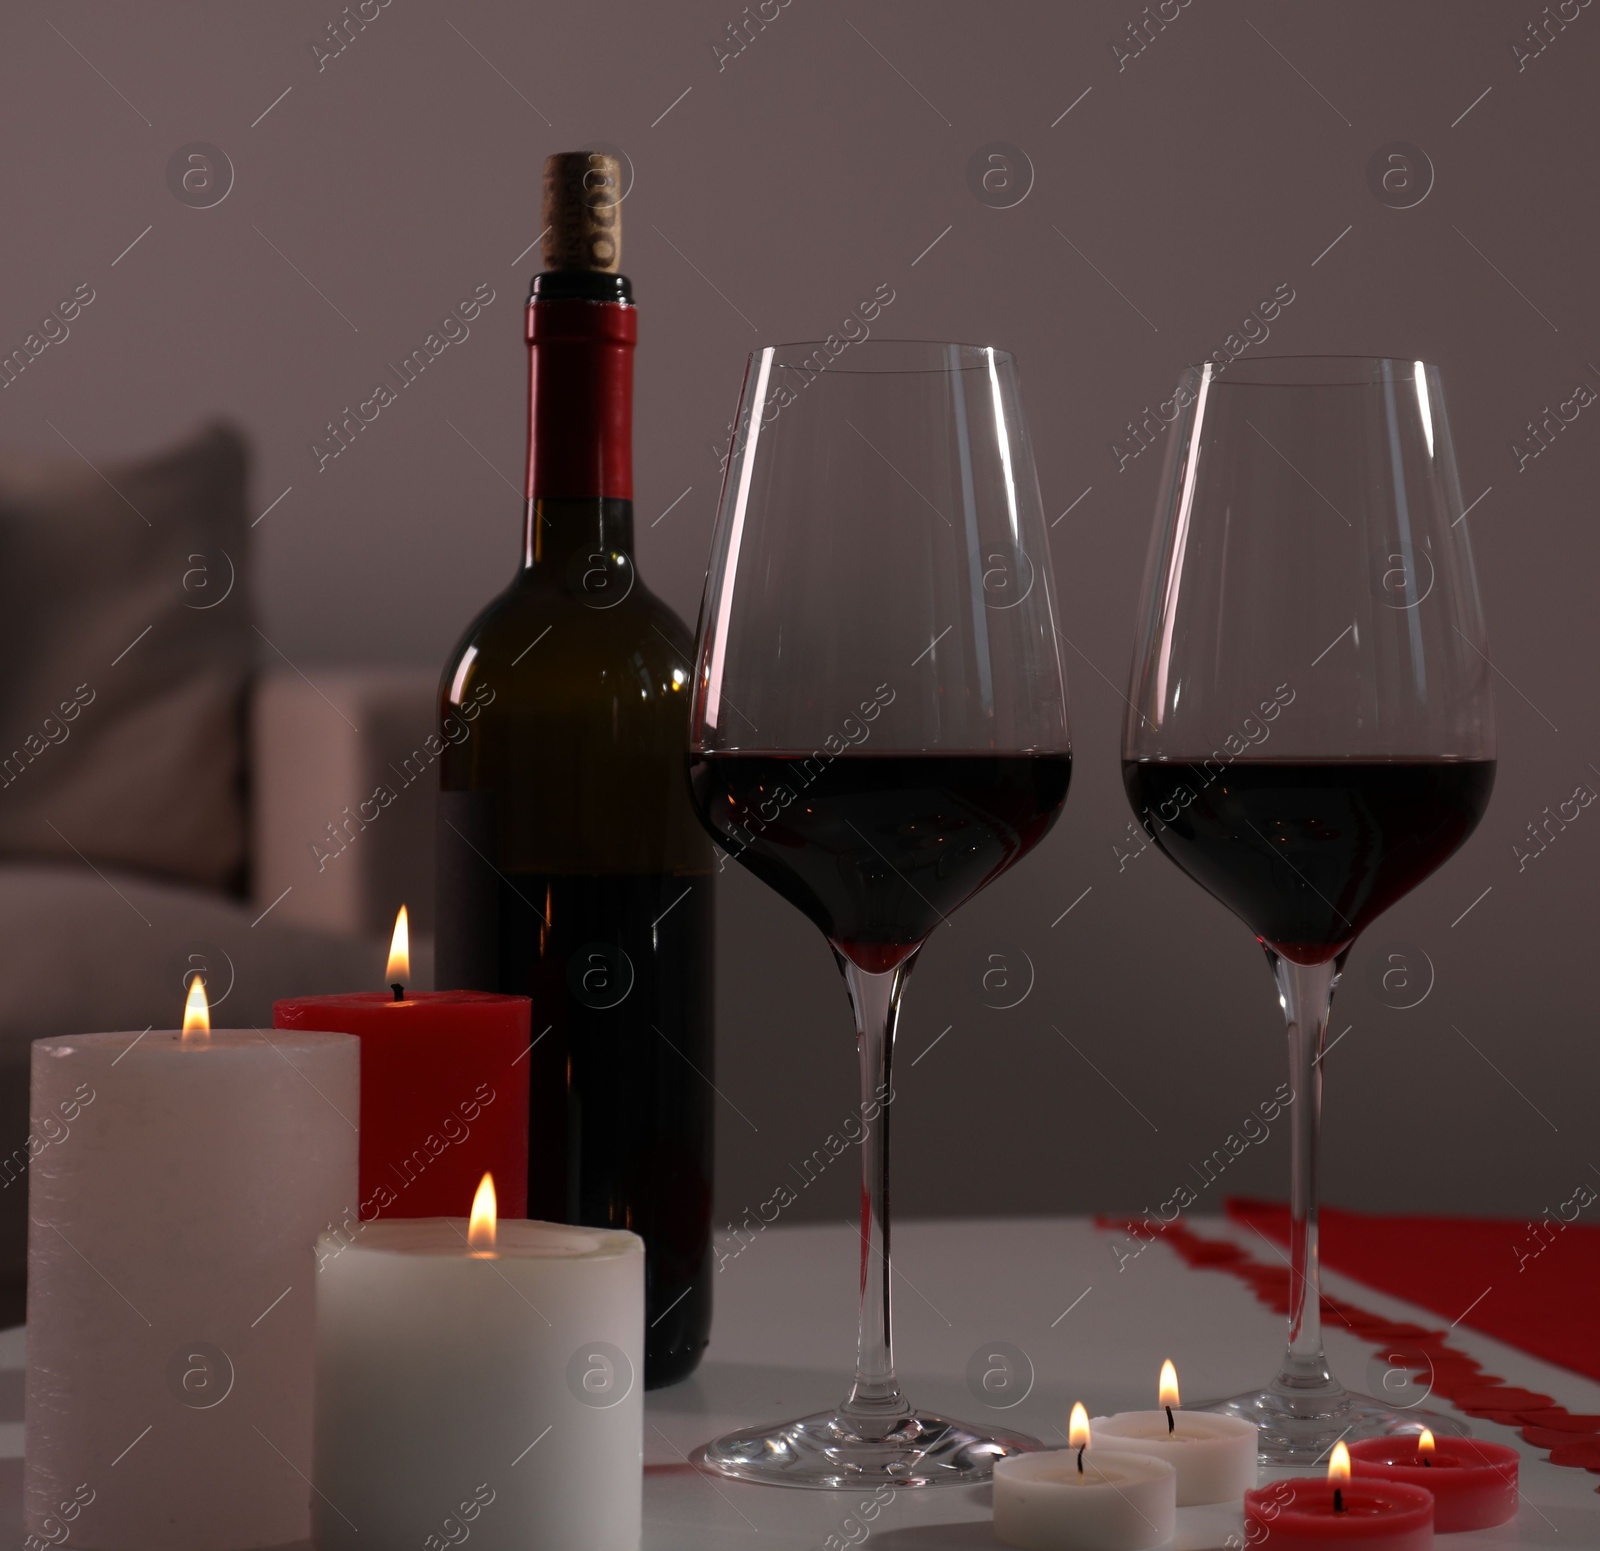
(175,795)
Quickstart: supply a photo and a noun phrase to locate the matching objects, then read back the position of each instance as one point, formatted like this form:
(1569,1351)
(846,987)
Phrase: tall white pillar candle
(468,1390)
(173,1217)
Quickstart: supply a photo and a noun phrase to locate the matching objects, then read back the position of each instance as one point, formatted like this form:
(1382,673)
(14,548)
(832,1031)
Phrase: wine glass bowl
(1310,727)
(879,731)
(1308,533)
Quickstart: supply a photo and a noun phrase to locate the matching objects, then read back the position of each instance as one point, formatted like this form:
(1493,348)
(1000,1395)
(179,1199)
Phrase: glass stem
(875,1403)
(1306,994)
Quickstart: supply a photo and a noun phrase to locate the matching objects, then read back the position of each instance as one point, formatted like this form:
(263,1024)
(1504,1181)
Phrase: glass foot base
(1300,1428)
(830,1451)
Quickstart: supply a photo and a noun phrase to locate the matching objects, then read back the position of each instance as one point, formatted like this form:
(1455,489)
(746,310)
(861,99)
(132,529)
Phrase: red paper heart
(1555,1419)
(1583,1452)
(1500,1397)
(1548,1437)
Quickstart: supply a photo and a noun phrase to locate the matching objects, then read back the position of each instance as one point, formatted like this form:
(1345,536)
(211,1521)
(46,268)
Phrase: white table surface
(784,1336)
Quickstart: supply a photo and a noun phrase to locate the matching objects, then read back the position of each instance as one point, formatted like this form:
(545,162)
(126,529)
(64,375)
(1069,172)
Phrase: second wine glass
(879,731)
(1310,730)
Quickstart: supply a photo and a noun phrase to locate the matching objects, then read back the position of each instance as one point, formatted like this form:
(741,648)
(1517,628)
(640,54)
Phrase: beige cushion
(125,648)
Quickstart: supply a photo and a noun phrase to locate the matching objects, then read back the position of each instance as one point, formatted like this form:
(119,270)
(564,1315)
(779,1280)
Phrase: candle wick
(399,990)
(1080,1460)
(1427,1464)
(1338,1500)
(1172,1426)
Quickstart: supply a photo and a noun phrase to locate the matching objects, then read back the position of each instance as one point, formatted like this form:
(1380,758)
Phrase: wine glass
(879,730)
(1310,729)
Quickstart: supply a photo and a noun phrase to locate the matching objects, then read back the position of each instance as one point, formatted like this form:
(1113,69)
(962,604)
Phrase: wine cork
(583,211)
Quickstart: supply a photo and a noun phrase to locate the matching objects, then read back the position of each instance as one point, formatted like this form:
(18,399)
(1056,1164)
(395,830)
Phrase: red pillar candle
(441,1103)
(1306,1513)
(1474,1484)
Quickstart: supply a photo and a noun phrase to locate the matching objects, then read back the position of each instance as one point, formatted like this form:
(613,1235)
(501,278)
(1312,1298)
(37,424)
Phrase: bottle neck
(579,486)
(568,538)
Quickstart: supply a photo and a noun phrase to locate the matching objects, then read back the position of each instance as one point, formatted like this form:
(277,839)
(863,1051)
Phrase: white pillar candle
(1215,1456)
(173,1215)
(1119,1501)
(496,1393)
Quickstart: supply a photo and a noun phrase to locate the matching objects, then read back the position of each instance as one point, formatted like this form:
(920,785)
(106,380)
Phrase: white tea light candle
(1215,1456)
(170,1269)
(479,1378)
(1084,1499)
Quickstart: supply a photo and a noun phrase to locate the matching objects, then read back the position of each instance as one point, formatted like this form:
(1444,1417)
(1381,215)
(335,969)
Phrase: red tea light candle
(1308,1514)
(443,1098)
(1474,1484)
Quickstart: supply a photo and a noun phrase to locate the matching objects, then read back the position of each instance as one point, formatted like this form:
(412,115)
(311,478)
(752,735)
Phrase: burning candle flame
(399,968)
(1339,1464)
(1168,1393)
(1078,1427)
(480,1226)
(1425,1444)
(196,1013)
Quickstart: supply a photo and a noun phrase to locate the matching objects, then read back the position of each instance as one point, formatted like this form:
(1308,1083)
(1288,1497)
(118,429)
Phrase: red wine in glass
(1308,852)
(878,849)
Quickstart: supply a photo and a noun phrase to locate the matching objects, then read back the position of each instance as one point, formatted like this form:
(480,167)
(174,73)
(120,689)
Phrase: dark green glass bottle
(571,868)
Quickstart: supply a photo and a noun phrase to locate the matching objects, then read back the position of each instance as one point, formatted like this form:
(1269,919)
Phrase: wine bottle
(571,868)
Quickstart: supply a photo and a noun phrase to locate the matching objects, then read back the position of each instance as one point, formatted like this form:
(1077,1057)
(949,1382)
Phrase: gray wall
(1171,191)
